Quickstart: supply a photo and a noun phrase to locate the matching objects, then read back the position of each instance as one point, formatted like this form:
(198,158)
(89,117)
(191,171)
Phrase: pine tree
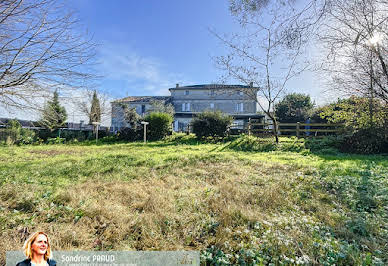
(53,115)
(95,110)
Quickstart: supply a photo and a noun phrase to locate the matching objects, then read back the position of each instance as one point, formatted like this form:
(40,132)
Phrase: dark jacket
(27,262)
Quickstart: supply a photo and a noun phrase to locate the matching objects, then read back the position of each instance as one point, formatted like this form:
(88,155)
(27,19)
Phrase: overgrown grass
(283,205)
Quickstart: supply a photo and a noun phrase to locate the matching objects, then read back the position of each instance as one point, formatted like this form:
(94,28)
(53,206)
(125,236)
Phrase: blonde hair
(28,246)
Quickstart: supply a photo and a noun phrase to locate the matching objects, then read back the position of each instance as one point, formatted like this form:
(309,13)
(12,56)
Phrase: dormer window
(186,92)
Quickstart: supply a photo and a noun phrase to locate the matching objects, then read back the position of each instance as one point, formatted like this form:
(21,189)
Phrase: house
(141,103)
(235,100)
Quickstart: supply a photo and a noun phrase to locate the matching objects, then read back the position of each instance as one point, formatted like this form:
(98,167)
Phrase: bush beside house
(159,125)
(211,124)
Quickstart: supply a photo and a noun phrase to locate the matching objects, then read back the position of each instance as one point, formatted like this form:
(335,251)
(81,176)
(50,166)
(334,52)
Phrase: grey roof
(210,86)
(143,99)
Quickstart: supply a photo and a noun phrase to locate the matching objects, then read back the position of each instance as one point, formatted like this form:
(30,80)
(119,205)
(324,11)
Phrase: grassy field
(235,206)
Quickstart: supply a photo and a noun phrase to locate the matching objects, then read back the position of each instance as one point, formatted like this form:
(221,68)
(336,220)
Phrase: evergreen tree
(53,115)
(95,110)
(294,107)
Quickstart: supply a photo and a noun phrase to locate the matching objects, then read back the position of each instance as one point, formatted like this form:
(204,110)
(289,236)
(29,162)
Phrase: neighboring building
(234,100)
(141,103)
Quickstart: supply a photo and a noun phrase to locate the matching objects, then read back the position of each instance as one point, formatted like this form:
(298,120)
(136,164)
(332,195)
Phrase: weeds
(285,206)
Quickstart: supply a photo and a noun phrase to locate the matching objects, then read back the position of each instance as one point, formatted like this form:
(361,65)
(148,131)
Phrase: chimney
(177,85)
(251,84)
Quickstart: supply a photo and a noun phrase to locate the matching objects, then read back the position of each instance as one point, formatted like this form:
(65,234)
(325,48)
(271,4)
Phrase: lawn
(235,206)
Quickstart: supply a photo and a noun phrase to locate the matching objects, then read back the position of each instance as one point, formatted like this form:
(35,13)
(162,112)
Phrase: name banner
(114,258)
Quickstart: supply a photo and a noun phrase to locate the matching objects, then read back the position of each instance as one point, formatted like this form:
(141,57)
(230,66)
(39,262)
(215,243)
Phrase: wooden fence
(306,129)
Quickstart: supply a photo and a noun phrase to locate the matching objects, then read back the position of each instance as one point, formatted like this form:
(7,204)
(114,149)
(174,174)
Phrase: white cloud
(141,75)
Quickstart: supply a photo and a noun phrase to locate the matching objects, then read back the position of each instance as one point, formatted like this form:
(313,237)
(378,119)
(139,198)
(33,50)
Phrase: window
(240,107)
(212,93)
(185,107)
(186,92)
(142,108)
(240,93)
(212,105)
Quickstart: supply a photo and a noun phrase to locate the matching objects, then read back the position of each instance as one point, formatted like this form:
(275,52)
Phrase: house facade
(235,100)
(142,104)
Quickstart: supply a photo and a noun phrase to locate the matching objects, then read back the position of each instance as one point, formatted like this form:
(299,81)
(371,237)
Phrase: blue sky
(148,46)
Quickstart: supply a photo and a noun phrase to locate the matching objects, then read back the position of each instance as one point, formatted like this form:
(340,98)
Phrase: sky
(146,47)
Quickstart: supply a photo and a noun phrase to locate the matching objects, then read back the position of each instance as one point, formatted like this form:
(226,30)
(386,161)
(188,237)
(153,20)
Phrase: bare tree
(96,106)
(352,33)
(161,106)
(41,50)
(355,38)
(267,55)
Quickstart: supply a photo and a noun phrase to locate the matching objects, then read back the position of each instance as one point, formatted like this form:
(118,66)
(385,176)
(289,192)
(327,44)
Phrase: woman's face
(39,246)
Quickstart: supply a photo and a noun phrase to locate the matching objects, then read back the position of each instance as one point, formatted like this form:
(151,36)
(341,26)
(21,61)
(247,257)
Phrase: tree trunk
(275,129)
(275,126)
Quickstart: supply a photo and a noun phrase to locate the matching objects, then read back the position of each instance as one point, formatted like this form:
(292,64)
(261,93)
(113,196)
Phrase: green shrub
(130,134)
(56,140)
(330,144)
(294,146)
(366,131)
(159,125)
(70,135)
(211,124)
(18,135)
(366,141)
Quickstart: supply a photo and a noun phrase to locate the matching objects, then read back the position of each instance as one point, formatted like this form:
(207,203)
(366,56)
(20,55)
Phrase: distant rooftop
(146,99)
(143,99)
(209,86)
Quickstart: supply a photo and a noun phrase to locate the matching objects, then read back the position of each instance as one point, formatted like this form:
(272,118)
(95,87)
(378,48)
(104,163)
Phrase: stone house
(234,100)
(141,103)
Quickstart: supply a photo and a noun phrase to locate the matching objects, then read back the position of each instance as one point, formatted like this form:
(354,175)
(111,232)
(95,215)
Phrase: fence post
(297,129)
(249,126)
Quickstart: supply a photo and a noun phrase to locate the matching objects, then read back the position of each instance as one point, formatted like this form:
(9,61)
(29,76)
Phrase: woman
(38,251)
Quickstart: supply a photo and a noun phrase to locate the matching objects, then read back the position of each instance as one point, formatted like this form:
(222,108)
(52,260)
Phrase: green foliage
(295,107)
(95,110)
(366,141)
(18,135)
(53,115)
(356,113)
(56,140)
(131,116)
(211,124)
(366,124)
(159,125)
(324,145)
(130,134)
(181,138)
(48,136)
